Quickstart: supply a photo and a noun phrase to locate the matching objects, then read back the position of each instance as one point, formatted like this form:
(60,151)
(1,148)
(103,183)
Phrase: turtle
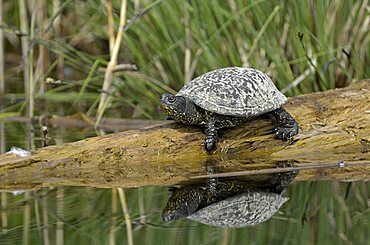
(247,209)
(227,97)
(233,203)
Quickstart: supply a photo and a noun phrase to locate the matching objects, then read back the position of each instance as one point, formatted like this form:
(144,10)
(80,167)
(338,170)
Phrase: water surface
(317,212)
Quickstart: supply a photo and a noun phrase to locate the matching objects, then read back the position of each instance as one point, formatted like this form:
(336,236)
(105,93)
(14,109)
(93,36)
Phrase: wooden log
(334,127)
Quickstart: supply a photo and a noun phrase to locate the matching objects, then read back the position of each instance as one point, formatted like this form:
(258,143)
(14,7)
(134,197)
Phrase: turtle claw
(210,145)
(285,132)
(287,126)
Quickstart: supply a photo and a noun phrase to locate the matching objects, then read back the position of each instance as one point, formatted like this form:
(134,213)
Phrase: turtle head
(180,108)
(182,203)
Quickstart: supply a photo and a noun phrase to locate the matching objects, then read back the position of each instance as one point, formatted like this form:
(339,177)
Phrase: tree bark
(334,127)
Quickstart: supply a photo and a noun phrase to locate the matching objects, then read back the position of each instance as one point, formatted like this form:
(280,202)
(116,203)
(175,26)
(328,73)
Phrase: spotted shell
(247,209)
(234,91)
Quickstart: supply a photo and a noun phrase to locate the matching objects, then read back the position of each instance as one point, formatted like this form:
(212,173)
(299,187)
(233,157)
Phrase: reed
(304,47)
(59,238)
(30,53)
(104,97)
(2,81)
(25,44)
(43,59)
(113,227)
(45,221)
(4,214)
(126,214)
(26,218)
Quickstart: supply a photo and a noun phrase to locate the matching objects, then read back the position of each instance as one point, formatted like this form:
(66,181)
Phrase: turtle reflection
(228,203)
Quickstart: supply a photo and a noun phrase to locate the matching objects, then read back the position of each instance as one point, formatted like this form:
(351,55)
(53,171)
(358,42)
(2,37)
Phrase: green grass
(329,40)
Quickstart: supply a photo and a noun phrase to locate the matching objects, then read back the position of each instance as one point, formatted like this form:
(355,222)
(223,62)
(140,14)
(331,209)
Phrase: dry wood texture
(334,127)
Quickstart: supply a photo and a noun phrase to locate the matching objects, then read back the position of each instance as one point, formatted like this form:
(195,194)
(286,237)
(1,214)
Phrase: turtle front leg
(287,127)
(211,137)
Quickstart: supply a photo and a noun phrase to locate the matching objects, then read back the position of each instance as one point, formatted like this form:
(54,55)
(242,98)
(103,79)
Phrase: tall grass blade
(112,63)
(25,44)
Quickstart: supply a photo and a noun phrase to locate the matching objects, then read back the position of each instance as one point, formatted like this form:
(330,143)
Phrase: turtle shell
(234,91)
(247,209)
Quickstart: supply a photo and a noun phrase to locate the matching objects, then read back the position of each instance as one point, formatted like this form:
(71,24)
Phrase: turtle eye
(172,99)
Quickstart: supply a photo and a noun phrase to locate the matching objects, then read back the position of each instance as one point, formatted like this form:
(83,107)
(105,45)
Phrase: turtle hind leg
(211,137)
(287,127)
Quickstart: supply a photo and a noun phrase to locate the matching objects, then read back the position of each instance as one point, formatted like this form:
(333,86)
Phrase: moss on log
(334,126)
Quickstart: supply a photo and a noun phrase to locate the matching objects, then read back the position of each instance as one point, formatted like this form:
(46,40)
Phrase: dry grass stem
(110,26)
(122,197)
(112,63)
(24,44)
(187,58)
(59,239)
(26,218)
(299,79)
(120,67)
(2,82)
(45,221)
(112,230)
(4,213)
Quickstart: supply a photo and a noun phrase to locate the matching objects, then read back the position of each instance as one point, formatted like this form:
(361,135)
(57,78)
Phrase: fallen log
(334,127)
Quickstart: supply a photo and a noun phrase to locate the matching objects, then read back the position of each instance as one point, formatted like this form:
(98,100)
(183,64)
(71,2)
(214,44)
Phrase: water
(317,212)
